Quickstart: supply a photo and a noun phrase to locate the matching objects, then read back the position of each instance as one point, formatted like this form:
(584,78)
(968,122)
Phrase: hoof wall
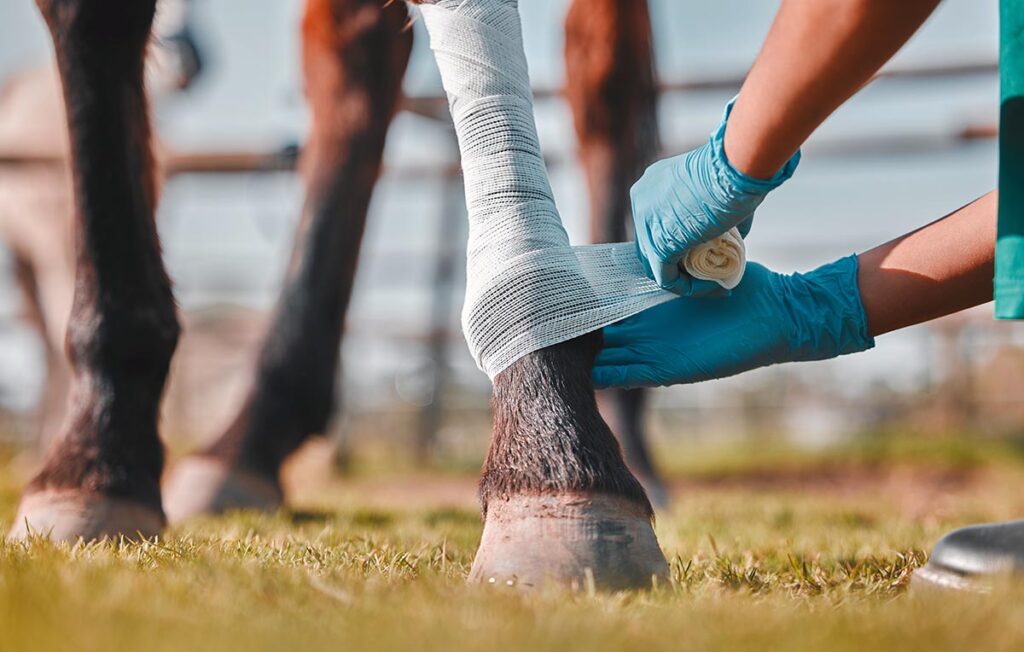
(71,515)
(570,540)
(199,485)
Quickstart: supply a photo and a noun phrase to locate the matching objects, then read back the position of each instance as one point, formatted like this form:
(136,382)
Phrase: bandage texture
(723,260)
(527,288)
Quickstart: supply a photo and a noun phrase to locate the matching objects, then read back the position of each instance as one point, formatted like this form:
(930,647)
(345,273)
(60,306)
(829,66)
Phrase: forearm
(817,54)
(836,309)
(937,270)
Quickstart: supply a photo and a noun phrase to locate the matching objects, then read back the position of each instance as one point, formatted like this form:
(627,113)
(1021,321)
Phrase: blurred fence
(439,398)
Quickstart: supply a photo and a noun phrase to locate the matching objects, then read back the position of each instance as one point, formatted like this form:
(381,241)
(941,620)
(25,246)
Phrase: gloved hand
(692,198)
(769,318)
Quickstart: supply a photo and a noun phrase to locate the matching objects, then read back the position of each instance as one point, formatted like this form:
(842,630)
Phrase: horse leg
(611,89)
(50,411)
(623,409)
(354,57)
(101,477)
(558,500)
(35,224)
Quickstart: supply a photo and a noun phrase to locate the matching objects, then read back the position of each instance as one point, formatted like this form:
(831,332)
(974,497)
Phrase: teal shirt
(1009,281)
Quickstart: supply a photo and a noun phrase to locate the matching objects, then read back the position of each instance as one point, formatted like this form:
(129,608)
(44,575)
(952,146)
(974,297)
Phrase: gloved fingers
(617,356)
(744,226)
(690,287)
(618,334)
(703,288)
(663,273)
(604,377)
(668,277)
(642,257)
(628,376)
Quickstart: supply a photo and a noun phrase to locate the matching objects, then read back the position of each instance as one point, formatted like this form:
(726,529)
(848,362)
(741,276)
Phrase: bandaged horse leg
(101,477)
(559,502)
(610,87)
(354,57)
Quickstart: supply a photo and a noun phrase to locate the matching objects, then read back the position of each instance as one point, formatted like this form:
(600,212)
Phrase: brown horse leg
(101,477)
(623,409)
(558,500)
(354,57)
(611,89)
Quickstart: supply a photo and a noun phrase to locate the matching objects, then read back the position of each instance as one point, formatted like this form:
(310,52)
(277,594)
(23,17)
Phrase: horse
(556,494)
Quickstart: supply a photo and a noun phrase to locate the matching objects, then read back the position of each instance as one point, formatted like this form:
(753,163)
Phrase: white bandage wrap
(722,260)
(526,288)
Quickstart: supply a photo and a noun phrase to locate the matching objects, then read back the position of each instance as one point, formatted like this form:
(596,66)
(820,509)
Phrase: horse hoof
(573,540)
(70,515)
(202,485)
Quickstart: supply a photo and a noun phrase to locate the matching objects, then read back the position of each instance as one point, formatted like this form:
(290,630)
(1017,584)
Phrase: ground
(769,548)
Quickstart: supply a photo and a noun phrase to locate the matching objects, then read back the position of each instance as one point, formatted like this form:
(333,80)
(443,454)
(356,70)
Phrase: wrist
(828,315)
(748,173)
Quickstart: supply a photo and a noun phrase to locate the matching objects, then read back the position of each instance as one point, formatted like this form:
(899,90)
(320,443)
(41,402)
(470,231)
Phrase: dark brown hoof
(574,540)
(203,485)
(72,515)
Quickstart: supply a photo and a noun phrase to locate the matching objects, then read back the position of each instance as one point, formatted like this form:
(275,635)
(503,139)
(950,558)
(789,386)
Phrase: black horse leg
(354,57)
(101,477)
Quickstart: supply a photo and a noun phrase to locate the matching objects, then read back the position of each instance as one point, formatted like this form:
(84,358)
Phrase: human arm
(937,270)
(817,54)
(836,309)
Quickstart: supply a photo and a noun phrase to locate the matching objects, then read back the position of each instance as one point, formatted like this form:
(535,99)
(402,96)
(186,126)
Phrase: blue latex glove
(769,318)
(683,201)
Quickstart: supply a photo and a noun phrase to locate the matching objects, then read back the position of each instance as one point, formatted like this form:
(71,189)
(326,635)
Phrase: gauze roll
(526,287)
(722,260)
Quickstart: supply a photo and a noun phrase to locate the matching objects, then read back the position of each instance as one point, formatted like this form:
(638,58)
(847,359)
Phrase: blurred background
(910,148)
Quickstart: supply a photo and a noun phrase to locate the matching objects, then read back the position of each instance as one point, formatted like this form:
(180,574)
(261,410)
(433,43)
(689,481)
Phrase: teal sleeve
(1009,280)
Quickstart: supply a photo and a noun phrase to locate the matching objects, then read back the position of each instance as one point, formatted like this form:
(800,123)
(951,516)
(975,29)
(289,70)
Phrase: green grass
(793,560)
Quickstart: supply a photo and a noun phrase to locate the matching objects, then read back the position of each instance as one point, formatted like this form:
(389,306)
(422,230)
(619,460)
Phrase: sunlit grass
(755,565)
